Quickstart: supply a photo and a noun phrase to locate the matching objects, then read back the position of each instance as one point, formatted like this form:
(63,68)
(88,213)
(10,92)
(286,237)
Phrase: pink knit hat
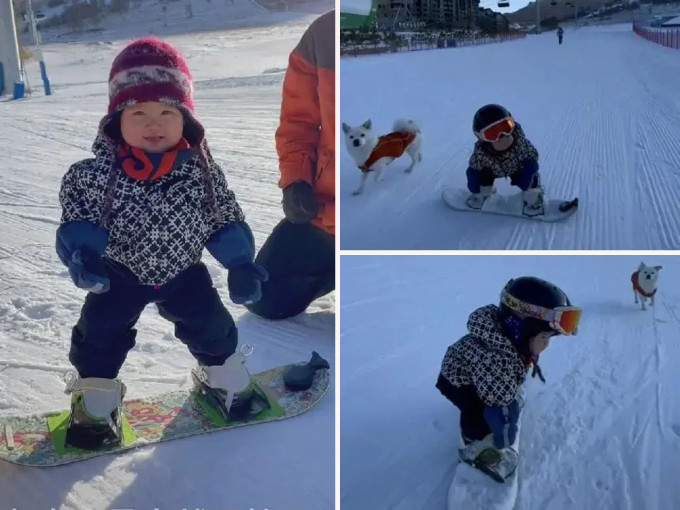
(149,69)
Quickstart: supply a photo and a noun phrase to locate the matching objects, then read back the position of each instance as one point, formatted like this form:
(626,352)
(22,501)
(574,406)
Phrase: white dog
(373,153)
(644,283)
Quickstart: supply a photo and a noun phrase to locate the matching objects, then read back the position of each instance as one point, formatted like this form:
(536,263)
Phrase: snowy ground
(602,109)
(603,433)
(288,465)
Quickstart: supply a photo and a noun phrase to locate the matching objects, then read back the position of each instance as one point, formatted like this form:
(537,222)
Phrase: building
(492,21)
(443,13)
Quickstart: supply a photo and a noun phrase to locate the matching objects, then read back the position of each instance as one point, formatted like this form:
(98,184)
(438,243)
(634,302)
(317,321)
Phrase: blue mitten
(526,174)
(503,423)
(244,283)
(80,246)
(87,271)
(234,247)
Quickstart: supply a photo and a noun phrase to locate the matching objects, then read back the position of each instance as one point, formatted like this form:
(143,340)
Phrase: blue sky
(514,5)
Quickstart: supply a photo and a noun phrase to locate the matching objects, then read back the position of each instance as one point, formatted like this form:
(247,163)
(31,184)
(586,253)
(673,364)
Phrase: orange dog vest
(636,285)
(391,145)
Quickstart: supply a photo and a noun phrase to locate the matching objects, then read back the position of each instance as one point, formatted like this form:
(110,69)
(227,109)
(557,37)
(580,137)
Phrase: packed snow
(285,465)
(602,109)
(602,433)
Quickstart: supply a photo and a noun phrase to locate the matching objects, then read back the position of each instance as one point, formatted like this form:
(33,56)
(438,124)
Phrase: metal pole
(9,52)
(34,29)
(38,51)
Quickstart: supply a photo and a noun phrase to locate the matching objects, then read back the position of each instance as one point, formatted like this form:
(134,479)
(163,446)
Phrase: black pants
(300,260)
(105,331)
(473,425)
(560,40)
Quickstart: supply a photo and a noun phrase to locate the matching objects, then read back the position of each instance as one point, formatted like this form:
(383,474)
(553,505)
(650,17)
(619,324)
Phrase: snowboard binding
(244,406)
(95,420)
(477,200)
(89,435)
(498,464)
(533,203)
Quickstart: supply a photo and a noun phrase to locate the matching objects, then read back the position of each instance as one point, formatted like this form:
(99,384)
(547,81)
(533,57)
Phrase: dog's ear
(641,266)
(345,127)
(367,124)
(658,268)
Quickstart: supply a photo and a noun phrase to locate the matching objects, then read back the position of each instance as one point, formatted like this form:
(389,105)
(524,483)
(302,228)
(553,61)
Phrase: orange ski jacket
(305,138)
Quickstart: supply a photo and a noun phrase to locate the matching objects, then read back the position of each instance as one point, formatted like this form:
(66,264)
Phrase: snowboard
(474,488)
(510,205)
(39,439)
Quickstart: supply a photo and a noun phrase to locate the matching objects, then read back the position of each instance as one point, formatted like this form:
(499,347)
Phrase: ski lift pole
(41,59)
(12,80)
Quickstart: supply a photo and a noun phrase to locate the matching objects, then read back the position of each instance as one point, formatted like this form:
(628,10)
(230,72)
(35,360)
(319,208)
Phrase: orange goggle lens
(493,132)
(566,320)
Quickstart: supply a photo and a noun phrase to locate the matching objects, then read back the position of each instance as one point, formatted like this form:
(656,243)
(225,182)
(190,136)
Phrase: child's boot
(533,202)
(476,200)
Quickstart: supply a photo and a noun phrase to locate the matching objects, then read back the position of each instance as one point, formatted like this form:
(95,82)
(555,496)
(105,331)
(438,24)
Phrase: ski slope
(288,465)
(602,110)
(146,17)
(603,433)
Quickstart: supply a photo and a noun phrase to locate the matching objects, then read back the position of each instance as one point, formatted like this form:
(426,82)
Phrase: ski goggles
(563,319)
(493,132)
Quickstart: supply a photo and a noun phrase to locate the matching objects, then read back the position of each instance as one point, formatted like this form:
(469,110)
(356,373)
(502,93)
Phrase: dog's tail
(406,126)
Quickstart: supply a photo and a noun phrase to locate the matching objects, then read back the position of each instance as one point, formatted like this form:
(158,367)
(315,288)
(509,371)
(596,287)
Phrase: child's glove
(244,283)
(234,247)
(87,271)
(299,203)
(503,423)
(80,245)
(526,174)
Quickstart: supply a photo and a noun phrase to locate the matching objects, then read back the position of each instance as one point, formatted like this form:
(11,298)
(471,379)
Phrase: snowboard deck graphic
(39,439)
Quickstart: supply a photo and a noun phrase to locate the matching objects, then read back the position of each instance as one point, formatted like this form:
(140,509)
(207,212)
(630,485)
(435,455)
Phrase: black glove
(299,202)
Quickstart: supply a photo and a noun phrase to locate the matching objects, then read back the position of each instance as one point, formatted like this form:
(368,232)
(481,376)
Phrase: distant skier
(503,150)
(135,220)
(560,34)
(482,372)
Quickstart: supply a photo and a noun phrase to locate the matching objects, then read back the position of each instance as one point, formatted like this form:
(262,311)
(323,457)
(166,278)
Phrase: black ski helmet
(487,115)
(534,291)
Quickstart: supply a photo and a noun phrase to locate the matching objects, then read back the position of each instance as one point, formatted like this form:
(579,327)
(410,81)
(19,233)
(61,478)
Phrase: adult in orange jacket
(299,254)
